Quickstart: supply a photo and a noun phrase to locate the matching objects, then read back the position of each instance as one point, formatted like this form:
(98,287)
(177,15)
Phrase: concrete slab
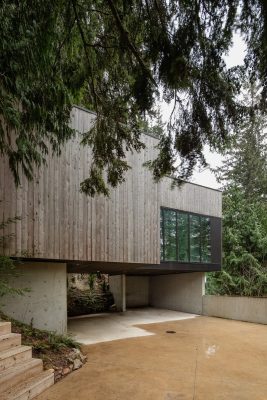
(98,328)
(205,359)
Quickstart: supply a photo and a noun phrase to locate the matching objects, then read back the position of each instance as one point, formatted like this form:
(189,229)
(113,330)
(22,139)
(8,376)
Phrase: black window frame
(188,213)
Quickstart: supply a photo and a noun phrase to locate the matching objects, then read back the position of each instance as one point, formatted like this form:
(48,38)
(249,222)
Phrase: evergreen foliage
(244,174)
(244,270)
(245,165)
(115,57)
(8,269)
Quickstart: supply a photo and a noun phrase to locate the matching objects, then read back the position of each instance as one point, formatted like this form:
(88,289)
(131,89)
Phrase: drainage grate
(170,332)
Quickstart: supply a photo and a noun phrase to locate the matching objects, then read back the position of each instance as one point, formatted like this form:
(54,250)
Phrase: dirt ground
(206,358)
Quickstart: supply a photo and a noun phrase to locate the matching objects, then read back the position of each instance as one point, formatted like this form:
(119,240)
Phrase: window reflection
(205,240)
(184,237)
(195,234)
(170,235)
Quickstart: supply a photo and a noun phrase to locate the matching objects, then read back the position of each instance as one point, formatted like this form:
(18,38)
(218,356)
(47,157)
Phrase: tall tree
(244,267)
(245,165)
(244,177)
(115,56)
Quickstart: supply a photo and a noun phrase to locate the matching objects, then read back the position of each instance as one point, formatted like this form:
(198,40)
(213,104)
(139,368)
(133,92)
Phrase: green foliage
(40,340)
(89,301)
(153,125)
(245,165)
(8,270)
(91,280)
(244,174)
(56,341)
(115,57)
(35,96)
(244,248)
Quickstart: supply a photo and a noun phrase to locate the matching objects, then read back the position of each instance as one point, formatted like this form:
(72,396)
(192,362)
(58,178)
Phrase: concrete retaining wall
(250,309)
(181,292)
(45,306)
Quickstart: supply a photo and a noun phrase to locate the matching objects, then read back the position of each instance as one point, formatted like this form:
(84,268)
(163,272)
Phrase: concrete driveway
(98,328)
(205,358)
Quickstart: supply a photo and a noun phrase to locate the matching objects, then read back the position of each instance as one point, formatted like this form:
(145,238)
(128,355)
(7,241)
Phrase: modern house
(155,241)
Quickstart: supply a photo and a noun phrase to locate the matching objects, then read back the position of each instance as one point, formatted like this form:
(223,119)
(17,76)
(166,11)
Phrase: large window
(184,237)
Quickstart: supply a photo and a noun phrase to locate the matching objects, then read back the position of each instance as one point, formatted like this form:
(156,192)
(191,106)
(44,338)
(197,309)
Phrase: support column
(117,284)
(123,292)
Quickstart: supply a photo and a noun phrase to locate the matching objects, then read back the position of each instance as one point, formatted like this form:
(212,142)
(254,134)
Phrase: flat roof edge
(196,184)
(94,113)
(83,109)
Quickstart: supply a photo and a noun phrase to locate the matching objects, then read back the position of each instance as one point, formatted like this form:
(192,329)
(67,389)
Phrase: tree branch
(131,46)
(86,52)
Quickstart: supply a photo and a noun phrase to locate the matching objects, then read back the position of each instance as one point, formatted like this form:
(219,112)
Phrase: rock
(71,358)
(77,364)
(66,371)
(58,374)
(83,358)
(75,354)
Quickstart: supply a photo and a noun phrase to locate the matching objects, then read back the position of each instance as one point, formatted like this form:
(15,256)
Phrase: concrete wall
(115,285)
(181,292)
(250,309)
(137,290)
(45,306)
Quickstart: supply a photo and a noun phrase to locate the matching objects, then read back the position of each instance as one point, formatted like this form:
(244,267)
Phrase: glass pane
(205,240)
(195,228)
(161,236)
(183,237)
(170,235)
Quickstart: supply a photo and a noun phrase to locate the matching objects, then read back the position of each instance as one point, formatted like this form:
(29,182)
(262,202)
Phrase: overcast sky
(206,177)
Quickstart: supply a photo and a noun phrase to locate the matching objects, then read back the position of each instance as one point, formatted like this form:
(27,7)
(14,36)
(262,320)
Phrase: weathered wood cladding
(60,223)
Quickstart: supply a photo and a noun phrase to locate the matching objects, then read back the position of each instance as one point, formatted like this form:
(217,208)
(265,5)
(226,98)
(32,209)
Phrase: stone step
(31,387)
(9,340)
(14,356)
(5,328)
(19,373)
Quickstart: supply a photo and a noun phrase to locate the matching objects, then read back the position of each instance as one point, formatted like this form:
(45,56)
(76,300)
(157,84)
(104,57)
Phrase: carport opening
(94,293)
(147,299)
(89,293)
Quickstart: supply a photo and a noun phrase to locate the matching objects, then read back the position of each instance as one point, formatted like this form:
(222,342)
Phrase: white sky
(206,177)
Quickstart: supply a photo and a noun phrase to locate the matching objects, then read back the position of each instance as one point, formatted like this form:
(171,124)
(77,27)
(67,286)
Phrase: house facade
(156,242)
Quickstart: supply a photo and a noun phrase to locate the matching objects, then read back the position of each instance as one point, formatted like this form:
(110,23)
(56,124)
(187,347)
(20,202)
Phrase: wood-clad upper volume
(58,222)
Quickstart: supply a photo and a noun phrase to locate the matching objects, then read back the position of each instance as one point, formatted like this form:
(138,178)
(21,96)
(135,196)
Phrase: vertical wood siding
(59,222)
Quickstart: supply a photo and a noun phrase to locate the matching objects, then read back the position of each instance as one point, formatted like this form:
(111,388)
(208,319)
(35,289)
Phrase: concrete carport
(141,300)
(45,305)
(180,292)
